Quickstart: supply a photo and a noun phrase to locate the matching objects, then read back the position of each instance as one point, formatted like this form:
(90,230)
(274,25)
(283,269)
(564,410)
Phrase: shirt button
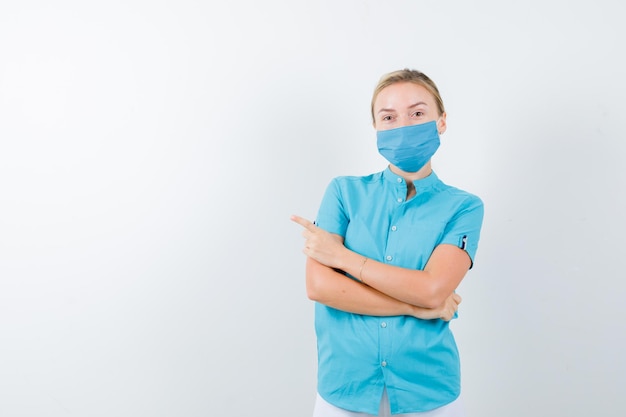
(399,180)
(394,228)
(384,363)
(389,257)
(383,324)
(399,200)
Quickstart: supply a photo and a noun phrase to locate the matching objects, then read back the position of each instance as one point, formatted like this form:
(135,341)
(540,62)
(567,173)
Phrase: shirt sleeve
(463,230)
(332,215)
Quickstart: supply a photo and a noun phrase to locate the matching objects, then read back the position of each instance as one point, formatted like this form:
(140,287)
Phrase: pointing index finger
(303,222)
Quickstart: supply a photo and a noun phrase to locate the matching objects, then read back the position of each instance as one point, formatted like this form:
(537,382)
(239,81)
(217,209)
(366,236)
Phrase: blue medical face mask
(409,147)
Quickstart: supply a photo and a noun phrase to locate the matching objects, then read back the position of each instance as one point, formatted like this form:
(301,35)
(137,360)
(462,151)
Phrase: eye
(417,114)
(386,118)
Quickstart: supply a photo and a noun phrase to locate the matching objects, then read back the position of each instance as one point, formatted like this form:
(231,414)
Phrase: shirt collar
(420,185)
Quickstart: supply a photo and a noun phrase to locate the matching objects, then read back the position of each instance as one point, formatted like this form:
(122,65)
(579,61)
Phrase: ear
(442,124)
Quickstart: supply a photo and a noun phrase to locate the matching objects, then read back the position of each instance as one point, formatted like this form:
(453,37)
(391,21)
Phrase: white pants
(324,409)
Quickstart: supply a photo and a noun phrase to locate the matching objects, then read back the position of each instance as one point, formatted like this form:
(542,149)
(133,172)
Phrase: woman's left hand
(326,248)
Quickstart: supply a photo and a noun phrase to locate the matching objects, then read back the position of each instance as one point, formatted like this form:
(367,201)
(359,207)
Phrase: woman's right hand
(444,312)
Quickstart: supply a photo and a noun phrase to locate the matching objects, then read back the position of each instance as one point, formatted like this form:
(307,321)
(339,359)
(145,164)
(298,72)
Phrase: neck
(409,177)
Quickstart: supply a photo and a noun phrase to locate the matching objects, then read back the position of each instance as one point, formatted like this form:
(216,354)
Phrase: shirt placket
(386,324)
(397,208)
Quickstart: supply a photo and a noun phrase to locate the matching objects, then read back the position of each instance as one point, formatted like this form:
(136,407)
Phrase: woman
(384,258)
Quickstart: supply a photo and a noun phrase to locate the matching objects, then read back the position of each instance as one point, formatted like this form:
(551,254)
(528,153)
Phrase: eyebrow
(419,103)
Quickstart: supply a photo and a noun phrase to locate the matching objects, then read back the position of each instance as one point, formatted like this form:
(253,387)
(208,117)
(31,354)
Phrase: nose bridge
(404,120)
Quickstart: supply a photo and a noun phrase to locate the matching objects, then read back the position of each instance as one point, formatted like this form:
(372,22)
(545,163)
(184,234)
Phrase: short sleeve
(332,215)
(463,230)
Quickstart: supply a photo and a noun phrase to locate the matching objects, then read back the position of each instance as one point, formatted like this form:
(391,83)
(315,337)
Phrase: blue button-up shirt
(358,355)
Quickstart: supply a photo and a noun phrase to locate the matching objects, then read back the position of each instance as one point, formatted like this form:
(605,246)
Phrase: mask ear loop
(437,122)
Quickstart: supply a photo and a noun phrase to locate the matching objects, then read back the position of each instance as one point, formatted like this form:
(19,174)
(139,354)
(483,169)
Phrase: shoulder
(348,182)
(354,189)
(462,197)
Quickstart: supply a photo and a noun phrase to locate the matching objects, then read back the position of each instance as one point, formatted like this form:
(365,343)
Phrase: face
(405,104)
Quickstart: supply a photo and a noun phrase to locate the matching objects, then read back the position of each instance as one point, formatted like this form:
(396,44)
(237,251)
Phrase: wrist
(349,261)
(412,310)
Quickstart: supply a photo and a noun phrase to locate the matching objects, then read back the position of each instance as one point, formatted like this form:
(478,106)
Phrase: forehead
(401,95)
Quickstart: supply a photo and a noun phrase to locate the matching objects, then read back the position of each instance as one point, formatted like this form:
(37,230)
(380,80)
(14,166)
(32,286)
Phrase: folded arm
(334,289)
(425,288)
(428,288)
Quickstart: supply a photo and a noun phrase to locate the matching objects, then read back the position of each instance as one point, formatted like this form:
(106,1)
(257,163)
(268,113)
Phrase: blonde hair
(408,76)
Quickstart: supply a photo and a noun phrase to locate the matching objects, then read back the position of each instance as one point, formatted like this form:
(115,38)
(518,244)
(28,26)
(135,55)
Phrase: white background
(151,153)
